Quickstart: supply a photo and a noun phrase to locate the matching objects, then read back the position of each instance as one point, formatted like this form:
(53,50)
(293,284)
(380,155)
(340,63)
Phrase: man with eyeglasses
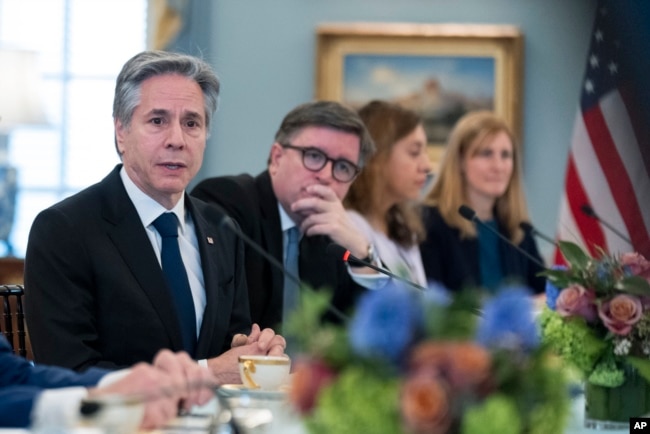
(319,149)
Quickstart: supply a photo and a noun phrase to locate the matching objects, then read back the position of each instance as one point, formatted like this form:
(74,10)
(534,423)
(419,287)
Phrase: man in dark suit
(29,394)
(95,291)
(318,151)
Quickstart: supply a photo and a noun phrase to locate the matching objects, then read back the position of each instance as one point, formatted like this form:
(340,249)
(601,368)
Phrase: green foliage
(605,274)
(641,365)
(572,339)
(607,373)
(539,385)
(574,255)
(306,328)
(633,285)
(339,408)
(455,321)
(496,415)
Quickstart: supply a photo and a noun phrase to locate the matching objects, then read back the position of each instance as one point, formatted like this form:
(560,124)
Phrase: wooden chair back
(12,319)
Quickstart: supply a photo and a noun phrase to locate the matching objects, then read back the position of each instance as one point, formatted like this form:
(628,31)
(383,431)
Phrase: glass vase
(610,408)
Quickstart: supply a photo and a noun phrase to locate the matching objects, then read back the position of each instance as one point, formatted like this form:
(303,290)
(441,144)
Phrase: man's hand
(174,380)
(225,367)
(151,385)
(325,215)
(193,382)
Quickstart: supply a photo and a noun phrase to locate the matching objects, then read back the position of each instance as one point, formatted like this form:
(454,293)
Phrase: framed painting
(441,71)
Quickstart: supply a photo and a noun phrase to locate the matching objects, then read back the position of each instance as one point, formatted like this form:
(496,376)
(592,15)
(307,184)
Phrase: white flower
(622,347)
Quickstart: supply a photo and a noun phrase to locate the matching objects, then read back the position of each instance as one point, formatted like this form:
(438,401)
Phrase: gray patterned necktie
(291,293)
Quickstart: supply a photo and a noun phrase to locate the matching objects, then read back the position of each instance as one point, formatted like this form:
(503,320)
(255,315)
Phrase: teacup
(264,372)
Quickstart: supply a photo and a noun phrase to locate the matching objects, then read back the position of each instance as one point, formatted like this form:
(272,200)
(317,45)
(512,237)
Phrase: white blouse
(403,261)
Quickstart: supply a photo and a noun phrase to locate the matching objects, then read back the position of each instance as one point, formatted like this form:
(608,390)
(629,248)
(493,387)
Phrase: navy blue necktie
(174,269)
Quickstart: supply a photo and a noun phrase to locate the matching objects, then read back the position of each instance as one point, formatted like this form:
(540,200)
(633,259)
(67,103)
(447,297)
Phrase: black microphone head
(228,222)
(336,251)
(526,227)
(587,210)
(467,212)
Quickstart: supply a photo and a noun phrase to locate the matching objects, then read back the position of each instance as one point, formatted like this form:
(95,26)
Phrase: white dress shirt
(148,210)
(59,408)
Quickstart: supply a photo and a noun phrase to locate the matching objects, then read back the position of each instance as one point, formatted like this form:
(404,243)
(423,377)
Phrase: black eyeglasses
(314,159)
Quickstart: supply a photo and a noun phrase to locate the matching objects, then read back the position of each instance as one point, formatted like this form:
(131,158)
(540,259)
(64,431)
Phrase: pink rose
(310,376)
(575,300)
(620,313)
(637,264)
(463,365)
(424,405)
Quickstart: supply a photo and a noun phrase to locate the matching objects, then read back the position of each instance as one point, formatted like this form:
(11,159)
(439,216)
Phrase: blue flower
(437,294)
(552,291)
(508,321)
(386,322)
(603,270)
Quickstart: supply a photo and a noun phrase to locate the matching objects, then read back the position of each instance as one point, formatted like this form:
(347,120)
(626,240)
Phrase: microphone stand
(230,224)
(346,256)
(589,212)
(528,227)
(469,214)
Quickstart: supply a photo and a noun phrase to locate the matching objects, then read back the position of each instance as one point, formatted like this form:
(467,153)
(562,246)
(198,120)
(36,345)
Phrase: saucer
(239,390)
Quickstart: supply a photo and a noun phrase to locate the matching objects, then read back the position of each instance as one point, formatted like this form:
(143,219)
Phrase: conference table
(275,416)
(269,415)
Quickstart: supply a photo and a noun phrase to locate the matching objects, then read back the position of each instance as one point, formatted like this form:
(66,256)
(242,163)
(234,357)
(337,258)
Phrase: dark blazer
(252,203)
(21,383)
(95,292)
(454,262)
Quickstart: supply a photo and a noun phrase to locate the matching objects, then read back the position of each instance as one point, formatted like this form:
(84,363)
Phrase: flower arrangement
(423,362)
(597,314)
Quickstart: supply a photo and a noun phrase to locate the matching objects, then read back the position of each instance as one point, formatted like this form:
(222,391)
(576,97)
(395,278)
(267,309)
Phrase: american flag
(609,162)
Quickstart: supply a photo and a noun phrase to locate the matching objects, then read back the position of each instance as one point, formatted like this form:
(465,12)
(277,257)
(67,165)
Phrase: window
(82,46)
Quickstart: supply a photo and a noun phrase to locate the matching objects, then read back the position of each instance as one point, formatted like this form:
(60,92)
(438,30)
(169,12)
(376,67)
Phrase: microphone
(525,226)
(469,214)
(344,254)
(589,212)
(230,224)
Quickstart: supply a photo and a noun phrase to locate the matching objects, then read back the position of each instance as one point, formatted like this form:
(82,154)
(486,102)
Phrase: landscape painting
(440,88)
(441,71)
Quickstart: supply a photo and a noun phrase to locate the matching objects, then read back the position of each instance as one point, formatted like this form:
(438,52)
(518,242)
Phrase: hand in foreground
(325,215)
(151,385)
(264,342)
(192,383)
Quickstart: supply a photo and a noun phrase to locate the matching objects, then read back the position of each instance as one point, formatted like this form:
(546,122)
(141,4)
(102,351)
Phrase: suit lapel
(271,227)
(131,240)
(212,258)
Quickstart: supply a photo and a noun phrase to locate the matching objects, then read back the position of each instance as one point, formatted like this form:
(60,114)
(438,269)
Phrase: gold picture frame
(356,62)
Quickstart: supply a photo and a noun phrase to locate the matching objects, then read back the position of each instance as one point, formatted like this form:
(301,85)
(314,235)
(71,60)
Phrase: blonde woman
(384,200)
(481,169)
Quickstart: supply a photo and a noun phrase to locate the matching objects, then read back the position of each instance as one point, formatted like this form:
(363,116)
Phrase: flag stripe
(640,127)
(590,231)
(597,192)
(627,146)
(613,168)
